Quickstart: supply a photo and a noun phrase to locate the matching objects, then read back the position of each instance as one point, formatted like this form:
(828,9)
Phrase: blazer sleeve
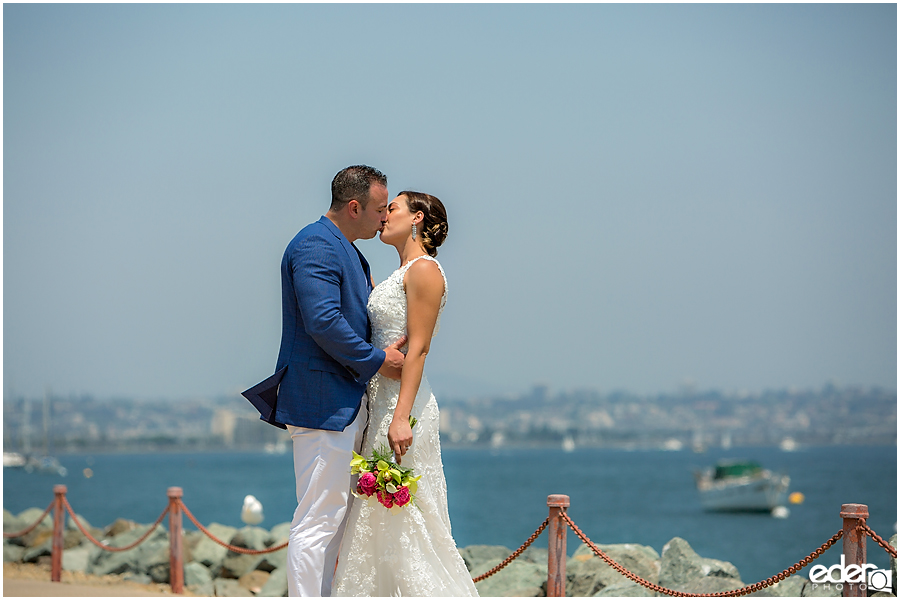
(317,286)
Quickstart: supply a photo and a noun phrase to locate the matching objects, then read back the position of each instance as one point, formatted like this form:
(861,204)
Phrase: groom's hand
(393,360)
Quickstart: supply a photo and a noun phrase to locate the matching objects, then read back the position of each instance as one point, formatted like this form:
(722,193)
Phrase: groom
(324,364)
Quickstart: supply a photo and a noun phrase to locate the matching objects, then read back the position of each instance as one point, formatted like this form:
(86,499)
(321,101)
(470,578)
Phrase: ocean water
(500,496)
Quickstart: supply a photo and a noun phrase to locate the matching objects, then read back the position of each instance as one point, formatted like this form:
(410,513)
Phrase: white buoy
(780,512)
(252,512)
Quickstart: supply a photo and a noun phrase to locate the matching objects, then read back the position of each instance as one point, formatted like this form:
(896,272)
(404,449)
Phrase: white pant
(322,470)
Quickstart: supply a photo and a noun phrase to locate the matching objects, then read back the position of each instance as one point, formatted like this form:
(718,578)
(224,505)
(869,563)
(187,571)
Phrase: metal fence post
(176,557)
(58,540)
(556,546)
(854,544)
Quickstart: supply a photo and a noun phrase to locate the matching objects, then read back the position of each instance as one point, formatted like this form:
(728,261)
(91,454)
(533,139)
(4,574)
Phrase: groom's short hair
(353,183)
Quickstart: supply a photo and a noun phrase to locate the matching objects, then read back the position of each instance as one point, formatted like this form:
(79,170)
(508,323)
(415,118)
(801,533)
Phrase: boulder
(141,578)
(237,565)
(147,553)
(792,587)
(11,523)
(197,579)
(273,560)
(535,555)
(28,516)
(37,537)
(893,543)
(820,590)
(120,526)
(680,565)
(711,585)
(40,546)
(626,589)
(254,581)
(276,585)
(73,535)
(76,559)
(519,578)
(484,556)
(280,533)
(210,553)
(229,588)
(12,552)
(588,574)
(252,538)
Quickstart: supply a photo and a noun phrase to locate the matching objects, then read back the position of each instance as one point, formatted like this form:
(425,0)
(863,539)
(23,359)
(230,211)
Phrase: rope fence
(854,534)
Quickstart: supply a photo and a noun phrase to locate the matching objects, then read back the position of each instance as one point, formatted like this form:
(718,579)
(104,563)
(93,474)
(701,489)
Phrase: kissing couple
(350,378)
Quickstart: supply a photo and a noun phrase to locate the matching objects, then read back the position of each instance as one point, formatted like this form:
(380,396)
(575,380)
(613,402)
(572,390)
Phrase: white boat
(13,460)
(741,485)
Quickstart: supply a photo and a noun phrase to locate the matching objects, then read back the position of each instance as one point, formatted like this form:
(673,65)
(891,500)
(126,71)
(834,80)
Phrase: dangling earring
(414,230)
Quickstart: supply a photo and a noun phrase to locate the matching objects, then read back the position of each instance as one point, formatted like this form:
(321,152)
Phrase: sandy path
(29,580)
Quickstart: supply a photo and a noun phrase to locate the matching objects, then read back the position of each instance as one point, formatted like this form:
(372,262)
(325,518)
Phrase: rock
(627,589)
(893,543)
(120,526)
(252,538)
(139,578)
(208,552)
(588,574)
(681,565)
(197,579)
(280,533)
(276,585)
(254,581)
(12,552)
(37,536)
(478,556)
(711,585)
(28,516)
(237,565)
(535,555)
(11,523)
(273,560)
(516,579)
(153,559)
(792,587)
(76,559)
(38,549)
(104,562)
(73,535)
(820,590)
(229,588)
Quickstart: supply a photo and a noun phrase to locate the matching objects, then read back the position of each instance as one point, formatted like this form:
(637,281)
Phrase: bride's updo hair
(433,228)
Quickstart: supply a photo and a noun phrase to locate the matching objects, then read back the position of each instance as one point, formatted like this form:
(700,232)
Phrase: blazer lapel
(352,251)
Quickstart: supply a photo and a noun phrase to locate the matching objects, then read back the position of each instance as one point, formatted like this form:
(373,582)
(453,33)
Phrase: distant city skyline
(641,197)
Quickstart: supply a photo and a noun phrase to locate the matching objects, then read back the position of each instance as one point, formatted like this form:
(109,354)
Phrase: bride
(411,553)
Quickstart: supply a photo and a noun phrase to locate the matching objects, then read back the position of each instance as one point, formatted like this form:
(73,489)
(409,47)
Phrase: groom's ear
(354,208)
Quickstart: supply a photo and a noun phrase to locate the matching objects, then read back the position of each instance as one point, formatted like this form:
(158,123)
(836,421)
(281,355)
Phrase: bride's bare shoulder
(425,275)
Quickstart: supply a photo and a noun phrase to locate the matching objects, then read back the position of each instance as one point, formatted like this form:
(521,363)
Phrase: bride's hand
(400,437)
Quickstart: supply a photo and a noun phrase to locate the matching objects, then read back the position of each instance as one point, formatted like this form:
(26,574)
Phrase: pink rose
(385,498)
(401,496)
(367,484)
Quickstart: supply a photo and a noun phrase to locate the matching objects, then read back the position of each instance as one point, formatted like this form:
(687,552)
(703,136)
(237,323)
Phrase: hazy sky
(638,195)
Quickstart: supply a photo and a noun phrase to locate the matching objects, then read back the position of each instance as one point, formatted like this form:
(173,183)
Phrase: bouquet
(392,485)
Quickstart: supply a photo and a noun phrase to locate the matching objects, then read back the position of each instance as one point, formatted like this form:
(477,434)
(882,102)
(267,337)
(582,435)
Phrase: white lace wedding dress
(411,553)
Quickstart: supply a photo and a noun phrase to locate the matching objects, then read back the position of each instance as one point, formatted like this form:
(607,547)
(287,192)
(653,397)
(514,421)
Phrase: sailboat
(34,463)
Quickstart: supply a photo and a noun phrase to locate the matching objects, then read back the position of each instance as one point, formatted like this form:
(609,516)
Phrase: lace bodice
(387,306)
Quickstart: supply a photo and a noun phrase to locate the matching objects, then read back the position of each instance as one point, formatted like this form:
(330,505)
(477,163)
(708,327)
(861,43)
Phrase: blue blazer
(325,360)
